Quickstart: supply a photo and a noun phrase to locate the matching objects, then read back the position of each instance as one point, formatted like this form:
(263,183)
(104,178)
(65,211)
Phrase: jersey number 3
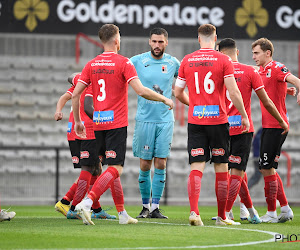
(209,85)
(101,97)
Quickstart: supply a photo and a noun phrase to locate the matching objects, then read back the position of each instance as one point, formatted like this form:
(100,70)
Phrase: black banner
(246,19)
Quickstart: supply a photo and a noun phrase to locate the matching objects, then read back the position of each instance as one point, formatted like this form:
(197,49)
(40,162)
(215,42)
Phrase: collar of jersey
(156,60)
(206,49)
(109,52)
(269,64)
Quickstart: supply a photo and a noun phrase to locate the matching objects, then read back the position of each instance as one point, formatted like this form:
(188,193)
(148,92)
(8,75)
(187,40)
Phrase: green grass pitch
(40,227)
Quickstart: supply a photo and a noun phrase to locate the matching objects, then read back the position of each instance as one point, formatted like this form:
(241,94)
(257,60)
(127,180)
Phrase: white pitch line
(182,247)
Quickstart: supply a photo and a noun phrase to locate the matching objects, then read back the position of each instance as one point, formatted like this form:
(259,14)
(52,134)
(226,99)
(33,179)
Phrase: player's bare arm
(78,127)
(89,106)
(182,96)
(296,82)
(60,104)
(237,100)
(270,106)
(149,94)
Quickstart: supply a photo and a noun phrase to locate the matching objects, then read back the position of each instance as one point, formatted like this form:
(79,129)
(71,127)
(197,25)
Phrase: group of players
(220,128)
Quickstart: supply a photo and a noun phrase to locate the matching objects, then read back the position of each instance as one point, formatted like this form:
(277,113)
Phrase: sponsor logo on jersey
(157,89)
(110,154)
(84,154)
(235,159)
(103,116)
(75,160)
(207,111)
(197,151)
(69,129)
(218,152)
(235,121)
(164,69)
(277,158)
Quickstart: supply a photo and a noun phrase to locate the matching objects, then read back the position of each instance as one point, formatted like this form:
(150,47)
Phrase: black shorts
(88,153)
(112,145)
(208,142)
(75,152)
(240,147)
(270,147)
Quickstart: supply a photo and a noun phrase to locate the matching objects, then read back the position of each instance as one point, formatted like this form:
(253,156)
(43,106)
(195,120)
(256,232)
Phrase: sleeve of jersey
(177,63)
(257,82)
(85,75)
(228,68)
(71,90)
(283,73)
(180,81)
(75,79)
(129,71)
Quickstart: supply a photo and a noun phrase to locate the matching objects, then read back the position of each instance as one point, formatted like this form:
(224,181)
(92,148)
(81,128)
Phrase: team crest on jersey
(268,73)
(207,111)
(217,151)
(235,159)
(110,154)
(84,154)
(164,69)
(69,129)
(277,158)
(197,151)
(75,160)
(284,70)
(235,121)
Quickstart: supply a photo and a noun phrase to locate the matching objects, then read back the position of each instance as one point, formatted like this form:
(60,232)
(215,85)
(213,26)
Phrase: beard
(155,54)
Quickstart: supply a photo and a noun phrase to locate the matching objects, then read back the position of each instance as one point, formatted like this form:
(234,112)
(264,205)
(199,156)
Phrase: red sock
(96,203)
(117,194)
(194,187)
(70,194)
(244,193)
(245,179)
(271,190)
(234,188)
(83,185)
(103,182)
(221,188)
(93,179)
(281,194)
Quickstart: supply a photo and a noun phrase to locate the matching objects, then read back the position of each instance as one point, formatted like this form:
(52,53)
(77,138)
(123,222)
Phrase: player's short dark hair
(206,29)
(107,32)
(265,44)
(226,43)
(159,31)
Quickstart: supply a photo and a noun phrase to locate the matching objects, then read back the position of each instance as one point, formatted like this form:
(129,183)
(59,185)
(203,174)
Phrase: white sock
(154,206)
(87,202)
(285,209)
(124,213)
(227,214)
(272,213)
(147,205)
(242,206)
